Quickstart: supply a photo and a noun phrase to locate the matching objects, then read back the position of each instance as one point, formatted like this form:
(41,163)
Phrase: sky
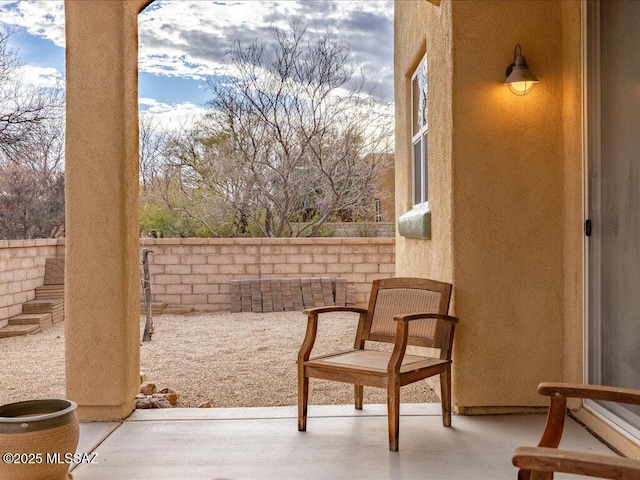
(183,42)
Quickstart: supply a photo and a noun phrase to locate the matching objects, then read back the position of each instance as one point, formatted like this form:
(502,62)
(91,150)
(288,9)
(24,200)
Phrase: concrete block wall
(355,229)
(22,270)
(198,272)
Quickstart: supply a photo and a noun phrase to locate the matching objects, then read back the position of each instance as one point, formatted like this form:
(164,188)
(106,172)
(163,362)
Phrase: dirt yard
(228,359)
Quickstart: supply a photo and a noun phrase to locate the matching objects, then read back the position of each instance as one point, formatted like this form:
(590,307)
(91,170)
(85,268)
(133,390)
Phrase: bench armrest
(580,463)
(593,392)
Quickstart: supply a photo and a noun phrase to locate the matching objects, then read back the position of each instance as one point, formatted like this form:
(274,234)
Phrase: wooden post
(146,288)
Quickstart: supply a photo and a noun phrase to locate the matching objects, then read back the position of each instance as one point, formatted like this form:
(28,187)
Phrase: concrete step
(51,305)
(17,330)
(43,320)
(45,304)
(46,292)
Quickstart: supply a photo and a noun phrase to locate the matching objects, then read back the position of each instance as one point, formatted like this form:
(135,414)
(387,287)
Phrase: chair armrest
(334,308)
(593,392)
(402,335)
(409,317)
(567,461)
(312,327)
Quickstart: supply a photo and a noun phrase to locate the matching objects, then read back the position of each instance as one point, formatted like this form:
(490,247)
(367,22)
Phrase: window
(420,131)
(378,217)
(416,223)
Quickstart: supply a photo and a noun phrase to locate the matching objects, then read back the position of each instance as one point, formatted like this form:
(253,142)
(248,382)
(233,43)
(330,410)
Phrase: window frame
(420,134)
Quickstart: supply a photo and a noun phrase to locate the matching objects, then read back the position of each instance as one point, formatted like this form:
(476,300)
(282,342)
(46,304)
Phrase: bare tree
(153,144)
(172,201)
(31,204)
(31,153)
(23,108)
(195,184)
(295,135)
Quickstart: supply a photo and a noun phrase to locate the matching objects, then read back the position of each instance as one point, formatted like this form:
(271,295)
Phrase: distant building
(384,205)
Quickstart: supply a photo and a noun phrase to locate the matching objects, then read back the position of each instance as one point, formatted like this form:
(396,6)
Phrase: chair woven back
(398,296)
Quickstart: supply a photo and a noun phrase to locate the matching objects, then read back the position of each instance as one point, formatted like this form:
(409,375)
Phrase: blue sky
(182,42)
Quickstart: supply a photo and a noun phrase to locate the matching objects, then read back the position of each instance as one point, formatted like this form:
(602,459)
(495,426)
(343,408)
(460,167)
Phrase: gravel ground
(228,359)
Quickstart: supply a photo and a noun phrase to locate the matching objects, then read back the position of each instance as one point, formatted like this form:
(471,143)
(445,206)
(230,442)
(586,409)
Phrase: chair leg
(393,414)
(359,395)
(529,475)
(303,399)
(524,474)
(541,476)
(445,396)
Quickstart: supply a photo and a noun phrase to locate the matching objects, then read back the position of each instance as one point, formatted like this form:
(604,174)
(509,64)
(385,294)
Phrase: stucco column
(498,184)
(102,276)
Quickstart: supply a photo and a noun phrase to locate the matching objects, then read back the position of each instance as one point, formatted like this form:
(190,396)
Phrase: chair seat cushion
(372,360)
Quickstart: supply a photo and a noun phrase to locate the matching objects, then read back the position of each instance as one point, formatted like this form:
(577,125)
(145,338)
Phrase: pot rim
(23,408)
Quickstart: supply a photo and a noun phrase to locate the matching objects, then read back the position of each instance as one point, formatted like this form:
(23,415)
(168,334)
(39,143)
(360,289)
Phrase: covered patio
(341,443)
(506,216)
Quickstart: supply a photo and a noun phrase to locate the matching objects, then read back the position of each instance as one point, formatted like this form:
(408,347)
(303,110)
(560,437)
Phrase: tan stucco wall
(101,298)
(496,190)
(508,209)
(420,27)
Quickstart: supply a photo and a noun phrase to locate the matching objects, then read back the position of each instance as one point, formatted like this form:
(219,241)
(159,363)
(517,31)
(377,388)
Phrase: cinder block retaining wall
(198,272)
(358,229)
(22,270)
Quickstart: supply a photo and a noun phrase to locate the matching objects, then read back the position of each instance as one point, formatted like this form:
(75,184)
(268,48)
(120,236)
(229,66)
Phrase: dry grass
(231,360)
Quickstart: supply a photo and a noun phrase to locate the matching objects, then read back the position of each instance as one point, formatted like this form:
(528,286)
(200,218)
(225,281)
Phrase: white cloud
(169,28)
(46,77)
(190,37)
(42,18)
(171,116)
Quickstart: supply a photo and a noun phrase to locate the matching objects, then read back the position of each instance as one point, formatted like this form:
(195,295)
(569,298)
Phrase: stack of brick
(289,294)
(291,300)
(296,294)
(351,295)
(340,292)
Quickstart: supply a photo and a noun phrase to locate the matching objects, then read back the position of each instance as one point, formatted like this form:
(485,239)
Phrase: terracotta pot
(35,436)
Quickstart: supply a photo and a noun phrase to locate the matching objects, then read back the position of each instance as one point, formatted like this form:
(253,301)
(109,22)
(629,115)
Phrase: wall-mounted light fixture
(519,77)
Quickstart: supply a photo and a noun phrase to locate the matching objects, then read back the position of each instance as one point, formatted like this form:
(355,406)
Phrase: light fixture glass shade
(519,78)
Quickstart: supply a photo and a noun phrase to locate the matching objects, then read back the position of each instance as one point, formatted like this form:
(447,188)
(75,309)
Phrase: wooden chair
(402,311)
(539,463)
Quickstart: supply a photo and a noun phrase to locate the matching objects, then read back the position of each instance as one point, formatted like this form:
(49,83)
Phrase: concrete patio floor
(340,443)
